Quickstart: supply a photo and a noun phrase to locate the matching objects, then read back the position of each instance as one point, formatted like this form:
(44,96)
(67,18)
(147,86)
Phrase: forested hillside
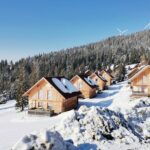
(15,78)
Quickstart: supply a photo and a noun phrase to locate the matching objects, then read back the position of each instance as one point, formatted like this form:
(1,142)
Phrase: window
(145,80)
(49,95)
(80,85)
(96,80)
(40,94)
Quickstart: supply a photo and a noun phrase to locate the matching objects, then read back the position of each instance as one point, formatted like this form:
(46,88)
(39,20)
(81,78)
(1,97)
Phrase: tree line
(16,78)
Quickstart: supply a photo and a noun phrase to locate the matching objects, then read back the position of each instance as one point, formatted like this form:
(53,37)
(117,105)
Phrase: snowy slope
(79,126)
(14,124)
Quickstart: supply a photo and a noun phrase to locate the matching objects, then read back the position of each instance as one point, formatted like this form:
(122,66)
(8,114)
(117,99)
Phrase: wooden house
(140,81)
(135,69)
(53,93)
(100,81)
(107,76)
(85,84)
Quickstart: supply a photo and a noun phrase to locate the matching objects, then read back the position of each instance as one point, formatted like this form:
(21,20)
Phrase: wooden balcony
(40,111)
(141,90)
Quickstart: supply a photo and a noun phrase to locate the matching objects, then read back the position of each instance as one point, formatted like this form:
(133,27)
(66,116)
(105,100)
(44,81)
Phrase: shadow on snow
(103,99)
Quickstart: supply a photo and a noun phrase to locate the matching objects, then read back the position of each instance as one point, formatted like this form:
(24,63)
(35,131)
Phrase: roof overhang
(139,72)
(35,85)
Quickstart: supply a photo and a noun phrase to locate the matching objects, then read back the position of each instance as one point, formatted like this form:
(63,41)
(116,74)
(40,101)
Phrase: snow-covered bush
(97,128)
(45,140)
(95,125)
(139,119)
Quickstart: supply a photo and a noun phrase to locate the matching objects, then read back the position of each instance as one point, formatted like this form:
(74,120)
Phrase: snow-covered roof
(71,88)
(90,81)
(130,66)
(64,86)
(61,84)
(87,80)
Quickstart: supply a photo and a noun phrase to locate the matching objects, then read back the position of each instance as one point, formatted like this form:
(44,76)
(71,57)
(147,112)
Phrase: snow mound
(97,125)
(139,119)
(45,140)
(108,128)
(92,128)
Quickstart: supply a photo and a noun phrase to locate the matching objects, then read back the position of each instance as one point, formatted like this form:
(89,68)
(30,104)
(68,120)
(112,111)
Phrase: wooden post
(148,91)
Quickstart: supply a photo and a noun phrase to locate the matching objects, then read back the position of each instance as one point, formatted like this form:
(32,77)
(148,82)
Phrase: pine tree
(121,73)
(21,87)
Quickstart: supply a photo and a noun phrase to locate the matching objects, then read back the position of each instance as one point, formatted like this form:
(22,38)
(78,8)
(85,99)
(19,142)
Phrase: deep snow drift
(101,128)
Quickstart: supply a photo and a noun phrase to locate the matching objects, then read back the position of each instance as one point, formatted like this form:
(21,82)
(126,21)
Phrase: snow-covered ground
(124,120)
(14,125)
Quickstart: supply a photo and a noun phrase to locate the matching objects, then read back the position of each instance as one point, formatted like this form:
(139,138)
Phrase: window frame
(49,98)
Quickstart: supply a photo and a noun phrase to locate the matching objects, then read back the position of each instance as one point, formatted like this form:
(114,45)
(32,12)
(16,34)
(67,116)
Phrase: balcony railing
(40,111)
(142,90)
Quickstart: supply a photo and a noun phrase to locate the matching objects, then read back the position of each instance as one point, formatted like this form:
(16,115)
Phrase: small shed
(85,84)
(100,81)
(140,81)
(53,93)
(106,75)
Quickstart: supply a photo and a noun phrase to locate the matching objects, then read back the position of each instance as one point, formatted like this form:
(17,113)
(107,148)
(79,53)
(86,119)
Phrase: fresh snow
(15,125)
(130,66)
(60,85)
(64,85)
(45,140)
(110,115)
(69,85)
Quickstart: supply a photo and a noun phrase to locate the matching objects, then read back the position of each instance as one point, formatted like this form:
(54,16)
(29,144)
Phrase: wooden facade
(140,82)
(107,76)
(87,90)
(101,82)
(46,95)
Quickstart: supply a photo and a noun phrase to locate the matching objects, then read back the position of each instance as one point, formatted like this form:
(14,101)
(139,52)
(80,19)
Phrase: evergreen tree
(21,87)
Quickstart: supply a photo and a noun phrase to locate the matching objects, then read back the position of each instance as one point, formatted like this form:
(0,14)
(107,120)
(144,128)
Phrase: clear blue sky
(29,27)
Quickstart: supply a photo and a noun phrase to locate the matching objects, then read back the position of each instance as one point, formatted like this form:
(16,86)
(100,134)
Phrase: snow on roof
(71,88)
(64,85)
(60,85)
(90,81)
(130,66)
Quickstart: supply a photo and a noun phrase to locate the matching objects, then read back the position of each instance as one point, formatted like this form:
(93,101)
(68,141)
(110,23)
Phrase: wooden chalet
(140,81)
(135,69)
(100,81)
(107,76)
(85,84)
(53,93)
